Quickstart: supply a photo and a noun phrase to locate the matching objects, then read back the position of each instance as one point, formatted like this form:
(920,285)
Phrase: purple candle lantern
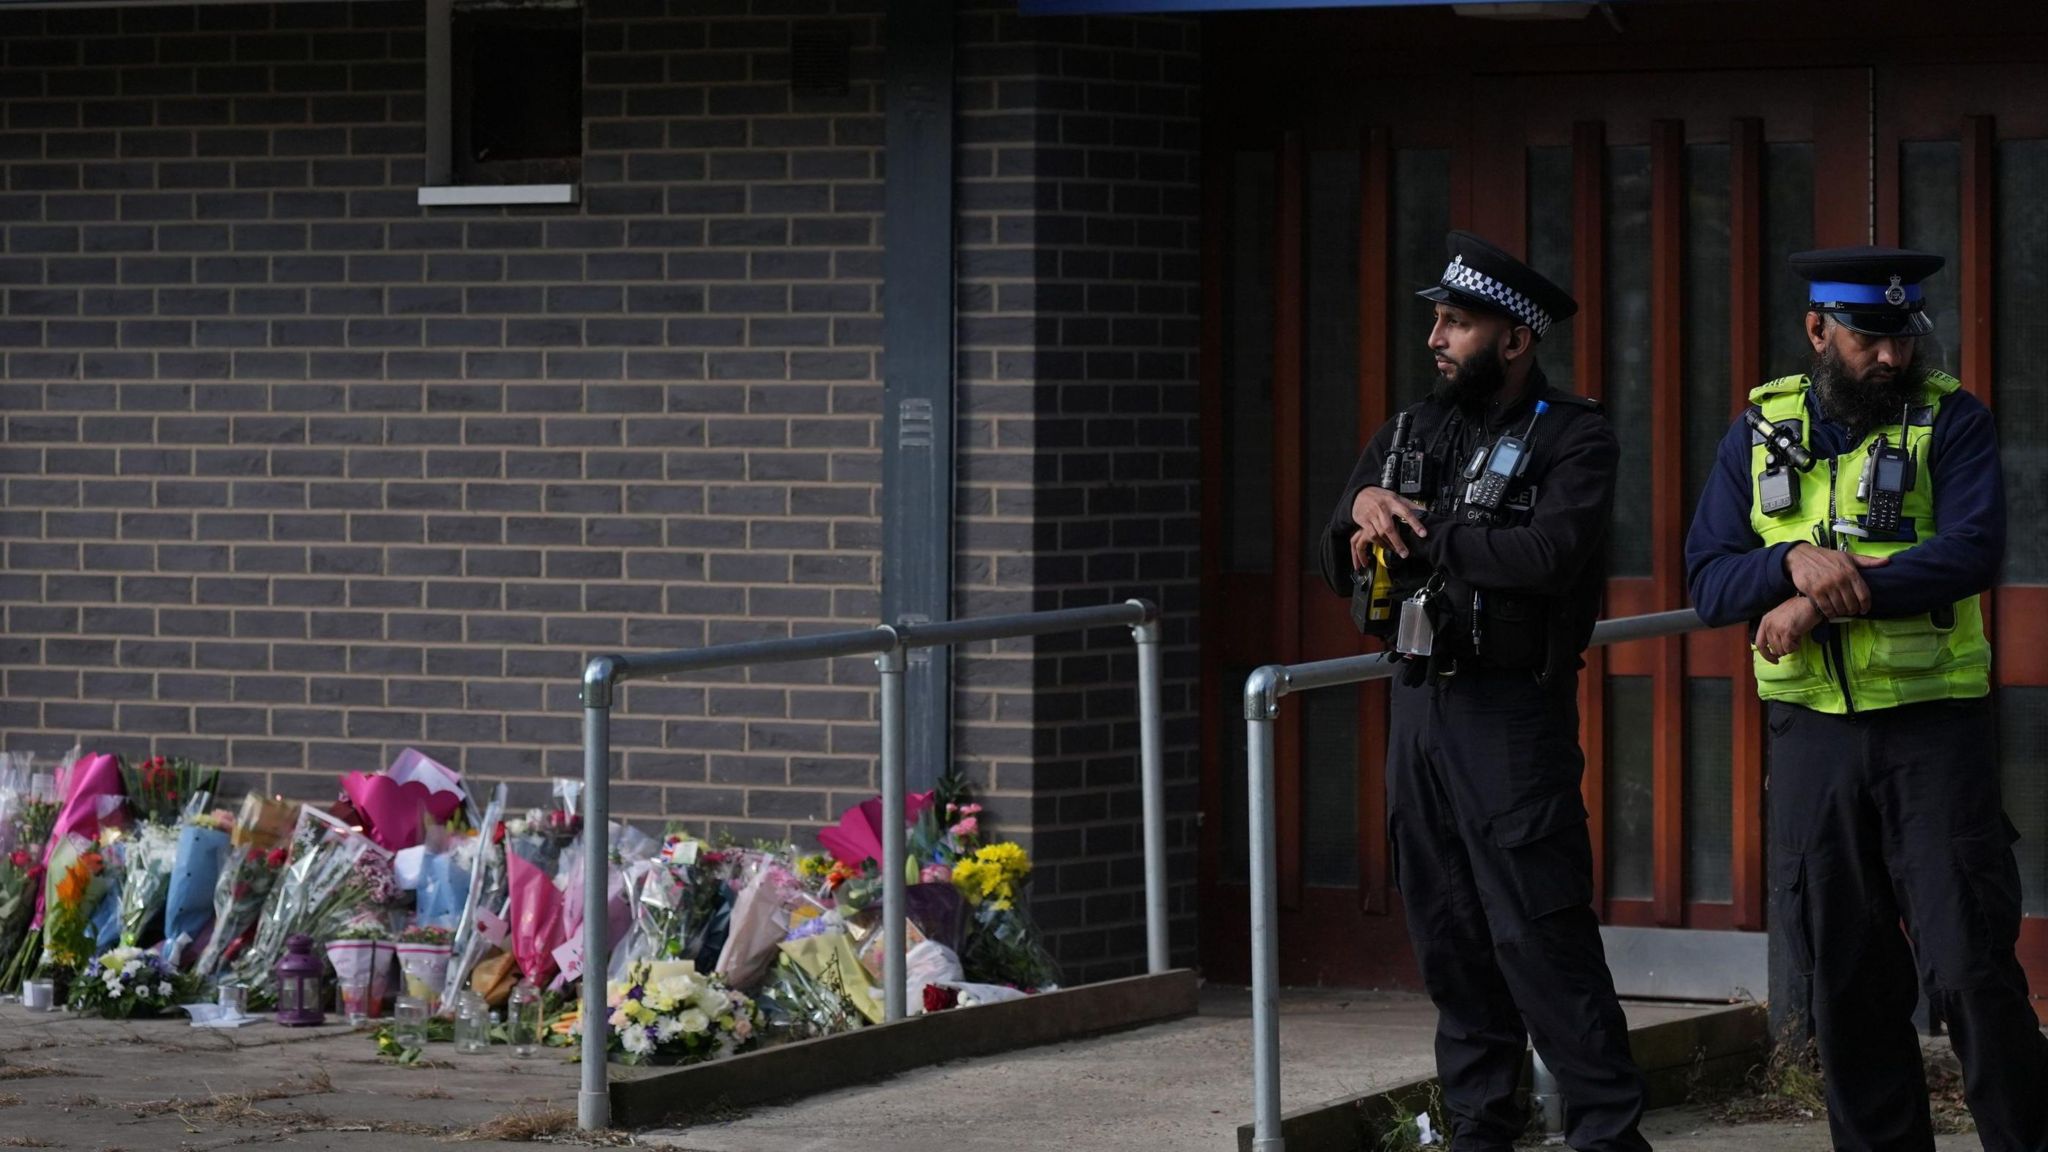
(301,997)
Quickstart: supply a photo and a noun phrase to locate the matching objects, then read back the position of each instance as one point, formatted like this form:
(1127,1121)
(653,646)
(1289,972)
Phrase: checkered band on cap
(1473,282)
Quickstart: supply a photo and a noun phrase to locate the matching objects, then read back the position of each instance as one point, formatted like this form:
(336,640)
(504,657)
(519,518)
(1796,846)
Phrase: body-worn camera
(1777,490)
(1408,470)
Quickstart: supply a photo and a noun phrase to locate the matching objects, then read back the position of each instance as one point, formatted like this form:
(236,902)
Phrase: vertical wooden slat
(1589,281)
(1841,162)
(1667,492)
(1979,148)
(1745,362)
(1287,482)
(1375,299)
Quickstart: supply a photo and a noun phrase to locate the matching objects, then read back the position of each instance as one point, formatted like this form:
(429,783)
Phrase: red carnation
(938,998)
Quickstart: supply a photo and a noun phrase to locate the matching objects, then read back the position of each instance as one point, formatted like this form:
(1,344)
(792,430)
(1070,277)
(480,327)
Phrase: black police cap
(1484,277)
(1869,289)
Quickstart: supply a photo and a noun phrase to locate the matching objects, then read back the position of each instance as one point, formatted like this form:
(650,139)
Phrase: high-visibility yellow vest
(1867,663)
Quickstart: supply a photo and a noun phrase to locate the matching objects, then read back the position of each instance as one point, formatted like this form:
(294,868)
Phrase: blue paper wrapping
(443,890)
(105,925)
(188,901)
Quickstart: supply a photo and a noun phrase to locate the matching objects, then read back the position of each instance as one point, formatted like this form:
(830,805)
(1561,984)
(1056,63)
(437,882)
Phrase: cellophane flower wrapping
(28,812)
(148,854)
(125,982)
(72,889)
(318,890)
(767,888)
(666,1012)
(162,787)
(625,847)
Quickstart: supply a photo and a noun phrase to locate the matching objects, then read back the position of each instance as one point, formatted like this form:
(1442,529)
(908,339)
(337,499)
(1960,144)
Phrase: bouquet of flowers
(798,1005)
(423,952)
(160,787)
(196,863)
(72,888)
(688,901)
(21,873)
(1002,941)
(318,890)
(146,860)
(125,982)
(239,895)
(30,813)
(258,845)
(666,1012)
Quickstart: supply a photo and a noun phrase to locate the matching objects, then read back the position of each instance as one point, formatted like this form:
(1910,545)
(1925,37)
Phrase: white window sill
(474,195)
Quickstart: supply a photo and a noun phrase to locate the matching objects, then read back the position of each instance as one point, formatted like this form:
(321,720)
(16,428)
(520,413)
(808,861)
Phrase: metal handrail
(1263,690)
(888,644)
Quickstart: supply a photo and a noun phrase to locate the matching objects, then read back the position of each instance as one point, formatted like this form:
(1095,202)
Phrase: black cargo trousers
(1890,816)
(1495,870)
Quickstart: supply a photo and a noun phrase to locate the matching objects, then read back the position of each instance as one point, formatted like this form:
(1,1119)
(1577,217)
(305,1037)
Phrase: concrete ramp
(1185,1084)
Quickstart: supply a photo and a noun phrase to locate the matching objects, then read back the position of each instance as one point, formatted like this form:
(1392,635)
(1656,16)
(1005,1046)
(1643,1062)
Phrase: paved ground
(1183,1085)
(75,1083)
(148,1086)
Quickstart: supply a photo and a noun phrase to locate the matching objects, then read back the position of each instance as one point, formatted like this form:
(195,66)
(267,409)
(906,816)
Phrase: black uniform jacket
(1539,569)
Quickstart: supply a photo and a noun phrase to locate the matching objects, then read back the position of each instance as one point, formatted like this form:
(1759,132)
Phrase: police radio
(1777,491)
(1887,477)
(1493,467)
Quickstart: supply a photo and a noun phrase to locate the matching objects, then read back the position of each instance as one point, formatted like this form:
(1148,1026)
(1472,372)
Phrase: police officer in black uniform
(1854,516)
(1481,515)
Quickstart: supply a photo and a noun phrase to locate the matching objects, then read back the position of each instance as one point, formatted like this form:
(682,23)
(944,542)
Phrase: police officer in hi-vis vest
(1855,516)
(1473,536)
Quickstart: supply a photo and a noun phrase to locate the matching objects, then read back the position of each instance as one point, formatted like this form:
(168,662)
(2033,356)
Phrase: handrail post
(594,1102)
(895,974)
(1152,780)
(1262,692)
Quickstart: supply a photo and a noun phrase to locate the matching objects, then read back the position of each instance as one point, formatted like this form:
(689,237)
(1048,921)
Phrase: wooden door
(1962,162)
(1667,201)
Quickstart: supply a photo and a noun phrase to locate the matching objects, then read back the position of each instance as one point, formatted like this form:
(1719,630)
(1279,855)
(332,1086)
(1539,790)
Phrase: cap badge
(1895,295)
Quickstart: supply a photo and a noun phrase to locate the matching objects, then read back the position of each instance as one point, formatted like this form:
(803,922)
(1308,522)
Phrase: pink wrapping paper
(536,919)
(394,813)
(569,955)
(858,836)
(93,777)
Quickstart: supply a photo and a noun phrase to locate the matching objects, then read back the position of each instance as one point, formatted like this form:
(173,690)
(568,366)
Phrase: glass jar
(472,1023)
(523,1019)
(409,1022)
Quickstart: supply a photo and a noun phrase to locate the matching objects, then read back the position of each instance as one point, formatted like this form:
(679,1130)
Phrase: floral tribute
(129,887)
(126,982)
(666,1012)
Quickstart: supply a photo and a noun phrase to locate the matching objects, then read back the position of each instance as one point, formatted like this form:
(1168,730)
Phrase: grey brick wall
(298,473)
(1078,304)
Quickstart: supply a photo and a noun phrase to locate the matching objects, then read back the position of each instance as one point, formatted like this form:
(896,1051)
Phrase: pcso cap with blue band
(1482,276)
(1875,291)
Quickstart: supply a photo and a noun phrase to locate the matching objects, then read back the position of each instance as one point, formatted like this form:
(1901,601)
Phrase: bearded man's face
(1864,382)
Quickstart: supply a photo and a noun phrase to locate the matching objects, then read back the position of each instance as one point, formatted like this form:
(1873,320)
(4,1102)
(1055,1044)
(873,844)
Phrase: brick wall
(1078,303)
(298,473)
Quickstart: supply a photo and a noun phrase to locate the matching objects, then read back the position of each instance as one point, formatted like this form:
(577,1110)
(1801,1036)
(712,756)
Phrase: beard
(1866,402)
(1473,381)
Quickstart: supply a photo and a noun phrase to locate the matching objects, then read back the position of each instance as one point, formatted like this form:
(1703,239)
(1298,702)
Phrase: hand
(1833,580)
(1778,634)
(1379,514)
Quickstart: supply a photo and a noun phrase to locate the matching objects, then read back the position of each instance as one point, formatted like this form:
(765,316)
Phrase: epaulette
(1558,396)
